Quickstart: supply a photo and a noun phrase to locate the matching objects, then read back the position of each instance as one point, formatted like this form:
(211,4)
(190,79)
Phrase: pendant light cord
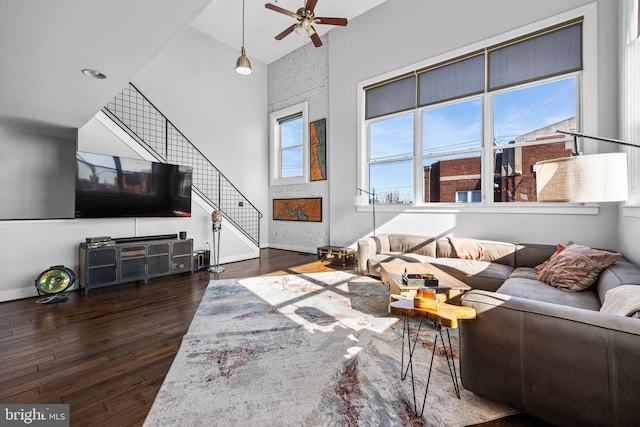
(242,24)
(243,65)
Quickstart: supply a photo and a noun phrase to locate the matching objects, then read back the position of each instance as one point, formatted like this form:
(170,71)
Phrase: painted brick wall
(303,75)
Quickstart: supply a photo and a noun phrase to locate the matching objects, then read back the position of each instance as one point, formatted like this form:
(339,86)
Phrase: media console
(116,261)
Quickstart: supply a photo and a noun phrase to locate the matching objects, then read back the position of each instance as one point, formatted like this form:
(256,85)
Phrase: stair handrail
(216,205)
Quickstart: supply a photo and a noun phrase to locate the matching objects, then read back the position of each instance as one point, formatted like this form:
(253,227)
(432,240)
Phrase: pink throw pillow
(576,267)
(559,248)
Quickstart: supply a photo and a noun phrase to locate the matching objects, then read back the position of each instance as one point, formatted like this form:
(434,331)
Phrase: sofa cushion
(559,248)
(577,267)
(380,242)
(535,290)
(533,254)
(477,274)
(373,267)
(620,273)
(412,244)
(494,251)
(524,273)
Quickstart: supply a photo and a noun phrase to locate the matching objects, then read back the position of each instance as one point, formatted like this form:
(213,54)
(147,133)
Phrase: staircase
(137,116)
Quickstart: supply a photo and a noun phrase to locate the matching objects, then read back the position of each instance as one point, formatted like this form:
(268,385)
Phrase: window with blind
(428,130)
(289,145)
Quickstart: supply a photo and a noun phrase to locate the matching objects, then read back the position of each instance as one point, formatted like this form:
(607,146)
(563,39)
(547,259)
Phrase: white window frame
(587,109)
(276,144)
(411,157)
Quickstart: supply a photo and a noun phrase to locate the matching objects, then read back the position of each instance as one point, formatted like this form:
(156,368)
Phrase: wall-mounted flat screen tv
(112,186)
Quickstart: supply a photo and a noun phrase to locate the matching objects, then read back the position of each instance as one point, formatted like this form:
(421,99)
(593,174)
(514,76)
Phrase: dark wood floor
(107,354)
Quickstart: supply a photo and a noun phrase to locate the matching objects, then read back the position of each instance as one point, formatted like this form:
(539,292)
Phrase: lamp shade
(583,179)
(361,200)
(243,65)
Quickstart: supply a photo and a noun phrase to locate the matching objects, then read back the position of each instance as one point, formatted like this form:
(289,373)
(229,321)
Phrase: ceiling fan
(306,19)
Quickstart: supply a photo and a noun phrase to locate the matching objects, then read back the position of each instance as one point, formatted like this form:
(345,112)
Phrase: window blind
(552,51)
(454,80)
(542,56)
(398,95)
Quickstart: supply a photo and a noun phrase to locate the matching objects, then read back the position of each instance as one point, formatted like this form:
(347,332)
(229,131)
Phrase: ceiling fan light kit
(305,18)
(243,65)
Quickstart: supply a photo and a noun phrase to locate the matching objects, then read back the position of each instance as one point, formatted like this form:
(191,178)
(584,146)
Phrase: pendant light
(243,66)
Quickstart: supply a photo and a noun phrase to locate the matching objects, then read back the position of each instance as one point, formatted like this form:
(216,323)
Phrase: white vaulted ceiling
(44,45)
(222,20)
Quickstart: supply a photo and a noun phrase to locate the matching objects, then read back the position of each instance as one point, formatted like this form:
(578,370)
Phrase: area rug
(318,349)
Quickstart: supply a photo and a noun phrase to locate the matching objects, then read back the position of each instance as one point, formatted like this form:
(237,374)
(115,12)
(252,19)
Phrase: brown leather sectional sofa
(545,351)
(552,353)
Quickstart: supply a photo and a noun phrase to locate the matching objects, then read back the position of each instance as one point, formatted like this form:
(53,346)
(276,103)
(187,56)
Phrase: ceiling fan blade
(310,5)
(281,10)
(331,21)
(315,38)
(286,32)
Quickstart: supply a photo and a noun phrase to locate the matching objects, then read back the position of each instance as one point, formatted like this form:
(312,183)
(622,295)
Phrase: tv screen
(112,186)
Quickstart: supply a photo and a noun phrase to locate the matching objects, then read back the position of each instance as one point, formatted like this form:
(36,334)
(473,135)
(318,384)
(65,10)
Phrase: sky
(291,139)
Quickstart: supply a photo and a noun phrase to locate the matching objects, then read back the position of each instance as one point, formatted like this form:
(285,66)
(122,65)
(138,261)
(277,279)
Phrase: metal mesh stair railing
(137,116)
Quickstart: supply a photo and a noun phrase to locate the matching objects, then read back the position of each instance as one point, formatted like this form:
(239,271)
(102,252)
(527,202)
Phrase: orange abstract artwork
(318,152)
(302,209)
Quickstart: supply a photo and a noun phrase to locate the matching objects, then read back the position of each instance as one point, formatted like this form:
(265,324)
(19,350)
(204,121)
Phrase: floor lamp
(584,178)
(363,200)
(216,227)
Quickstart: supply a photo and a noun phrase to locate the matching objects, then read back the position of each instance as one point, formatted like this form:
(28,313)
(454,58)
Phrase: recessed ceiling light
(93,73)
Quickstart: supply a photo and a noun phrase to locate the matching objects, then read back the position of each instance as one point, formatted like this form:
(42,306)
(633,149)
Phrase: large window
(289,142)
(391,158)
(470,129)
(525,124)
(451,151)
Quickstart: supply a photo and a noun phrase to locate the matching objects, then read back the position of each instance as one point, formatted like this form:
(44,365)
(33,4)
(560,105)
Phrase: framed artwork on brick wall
(301,209)
(318,149)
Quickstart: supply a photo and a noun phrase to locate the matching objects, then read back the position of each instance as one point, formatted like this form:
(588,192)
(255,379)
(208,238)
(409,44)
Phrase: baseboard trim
(292,248)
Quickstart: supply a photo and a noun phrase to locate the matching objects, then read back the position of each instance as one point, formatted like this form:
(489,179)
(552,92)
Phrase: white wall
(193,82)
(101,135)
(222,113)
(43,185)
(31,246)
(303,75)
(387,39)
(226,115)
